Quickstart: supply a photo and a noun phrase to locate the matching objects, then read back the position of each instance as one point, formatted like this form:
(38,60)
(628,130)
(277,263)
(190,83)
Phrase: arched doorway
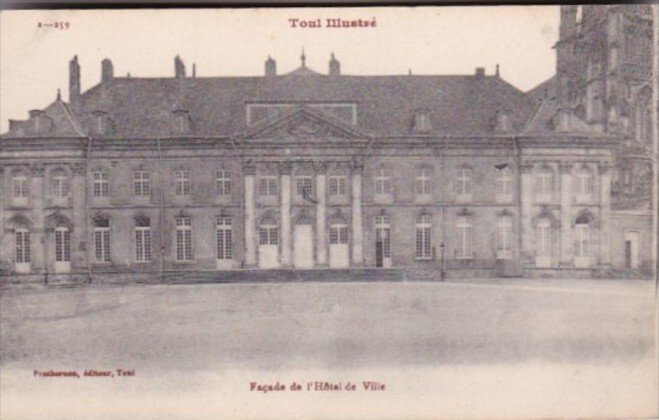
(268,243)
(339,256)
(303,243)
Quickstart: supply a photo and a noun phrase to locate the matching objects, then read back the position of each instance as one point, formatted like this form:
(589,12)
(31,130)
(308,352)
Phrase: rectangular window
(60,186)
(183,186)
(303,186)
(422,181)
(463,184)
(338,185)
(100,184)
(20,188)
(141,183)
(545,183)
(184,239)
(142,244)
(22,246)
(382,182)
(62,245)
(223,183)
(102,244)
(268,186)
(338,234)
(268,235)
(224,236)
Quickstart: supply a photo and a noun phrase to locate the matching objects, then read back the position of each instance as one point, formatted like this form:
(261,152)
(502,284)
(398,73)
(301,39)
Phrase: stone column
(321,210)
(79,234)
(357,232)
(285,207)
(567,242)
(605,213)
(37,235)
(527,198)
(249,172)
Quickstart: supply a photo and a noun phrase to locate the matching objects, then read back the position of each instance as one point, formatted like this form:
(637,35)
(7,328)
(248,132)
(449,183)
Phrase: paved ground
(470,348)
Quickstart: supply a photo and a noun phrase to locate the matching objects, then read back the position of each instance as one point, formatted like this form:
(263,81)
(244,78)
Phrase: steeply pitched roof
(385,104)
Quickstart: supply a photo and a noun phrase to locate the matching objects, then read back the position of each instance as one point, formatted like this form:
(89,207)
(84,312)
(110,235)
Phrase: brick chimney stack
(107,71)
(74,80)
(270,67)
(179,67)
(334,66)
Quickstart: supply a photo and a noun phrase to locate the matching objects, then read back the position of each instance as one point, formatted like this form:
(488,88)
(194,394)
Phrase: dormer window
(101,123)
(421,122)
(182,120)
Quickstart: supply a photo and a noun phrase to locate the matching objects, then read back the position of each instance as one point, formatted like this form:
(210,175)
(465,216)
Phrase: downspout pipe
(90,141)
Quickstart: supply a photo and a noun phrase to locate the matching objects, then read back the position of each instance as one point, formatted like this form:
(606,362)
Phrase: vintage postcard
(300,213)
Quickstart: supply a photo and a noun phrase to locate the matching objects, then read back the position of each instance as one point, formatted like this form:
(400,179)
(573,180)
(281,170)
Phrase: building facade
(604,73)
(167,176)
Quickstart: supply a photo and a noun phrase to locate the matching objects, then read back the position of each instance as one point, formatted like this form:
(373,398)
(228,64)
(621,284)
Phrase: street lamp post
(442,273)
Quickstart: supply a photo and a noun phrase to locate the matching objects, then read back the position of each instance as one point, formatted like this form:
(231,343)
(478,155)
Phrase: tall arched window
(142,239)
(224,238)
(383,234)
(583,245)
(102,239)
(465,248)
(504,237)
(22,242)
(184,250)
(423,249)
(62,243)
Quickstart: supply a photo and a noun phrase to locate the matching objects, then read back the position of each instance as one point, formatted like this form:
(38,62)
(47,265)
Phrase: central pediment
(304,123)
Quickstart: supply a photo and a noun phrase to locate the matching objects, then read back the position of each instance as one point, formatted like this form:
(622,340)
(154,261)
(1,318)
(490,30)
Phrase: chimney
(503,121)
(334,66)
(74,80)
(480,71)
(194,70)
(107,71)
(563,119)
(270,67)
(179,67)
(568,25)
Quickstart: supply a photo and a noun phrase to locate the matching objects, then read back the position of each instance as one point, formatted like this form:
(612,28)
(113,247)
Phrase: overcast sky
(34,61)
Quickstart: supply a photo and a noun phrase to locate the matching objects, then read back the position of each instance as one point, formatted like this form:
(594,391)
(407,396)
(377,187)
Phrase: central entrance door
(303,246)
(338,249)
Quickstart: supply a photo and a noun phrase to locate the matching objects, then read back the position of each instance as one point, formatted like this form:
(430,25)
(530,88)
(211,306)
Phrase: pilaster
(249,173)
(321,211)
(285,213)
(357,168)
(567,242)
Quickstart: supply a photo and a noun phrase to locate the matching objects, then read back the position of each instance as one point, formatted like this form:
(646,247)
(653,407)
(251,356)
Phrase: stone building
(604,74)
(298,171)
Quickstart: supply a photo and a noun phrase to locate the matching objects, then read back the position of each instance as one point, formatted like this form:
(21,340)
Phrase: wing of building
(211,177)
